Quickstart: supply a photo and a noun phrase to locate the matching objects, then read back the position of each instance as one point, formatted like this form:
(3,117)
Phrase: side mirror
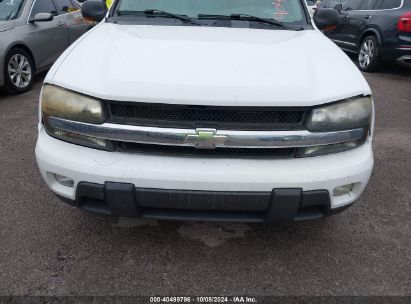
(326,17)
(94,10)
(41,17)
(338,7)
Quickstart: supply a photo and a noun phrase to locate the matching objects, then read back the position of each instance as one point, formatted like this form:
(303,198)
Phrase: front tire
(18,71)
(368,58)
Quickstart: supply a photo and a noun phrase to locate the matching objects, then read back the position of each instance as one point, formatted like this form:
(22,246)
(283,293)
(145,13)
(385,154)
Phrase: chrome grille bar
(206,138)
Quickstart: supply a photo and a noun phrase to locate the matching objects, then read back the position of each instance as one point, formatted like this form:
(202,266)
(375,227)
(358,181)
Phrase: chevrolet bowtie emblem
(206,139)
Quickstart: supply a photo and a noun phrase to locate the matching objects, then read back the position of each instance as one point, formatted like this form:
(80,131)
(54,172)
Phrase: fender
(370,30)
(22,45)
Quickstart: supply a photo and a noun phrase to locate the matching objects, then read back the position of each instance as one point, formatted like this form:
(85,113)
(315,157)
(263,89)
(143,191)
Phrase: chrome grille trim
(184,137)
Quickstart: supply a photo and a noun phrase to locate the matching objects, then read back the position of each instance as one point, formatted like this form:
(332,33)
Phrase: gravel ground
(49,248)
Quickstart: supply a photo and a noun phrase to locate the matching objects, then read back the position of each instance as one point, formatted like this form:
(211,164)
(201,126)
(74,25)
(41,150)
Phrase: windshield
(286,11)
(9,9)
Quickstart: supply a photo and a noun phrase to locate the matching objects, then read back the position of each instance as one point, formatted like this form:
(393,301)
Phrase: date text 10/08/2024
(183,299)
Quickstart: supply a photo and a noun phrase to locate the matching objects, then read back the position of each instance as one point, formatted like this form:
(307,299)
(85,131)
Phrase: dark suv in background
(375,29)
(331,3)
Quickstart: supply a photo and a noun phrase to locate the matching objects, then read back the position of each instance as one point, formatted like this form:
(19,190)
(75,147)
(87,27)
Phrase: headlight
(65,104)
(350,114)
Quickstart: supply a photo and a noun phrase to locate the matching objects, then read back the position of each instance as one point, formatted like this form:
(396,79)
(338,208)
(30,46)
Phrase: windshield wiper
(246,18)
(159,13)
(171,15)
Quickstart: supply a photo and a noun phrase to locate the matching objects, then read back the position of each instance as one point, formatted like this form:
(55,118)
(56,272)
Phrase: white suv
(230,110)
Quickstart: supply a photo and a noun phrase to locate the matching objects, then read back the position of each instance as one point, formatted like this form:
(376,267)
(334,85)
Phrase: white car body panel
(209,66)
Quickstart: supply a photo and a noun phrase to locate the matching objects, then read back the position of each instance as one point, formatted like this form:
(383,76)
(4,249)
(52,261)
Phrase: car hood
(6,25)
(209,66)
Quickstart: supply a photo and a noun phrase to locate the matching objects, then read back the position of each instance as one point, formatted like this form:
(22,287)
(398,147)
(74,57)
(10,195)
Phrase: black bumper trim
(284,205)
(121,199)
(280,205)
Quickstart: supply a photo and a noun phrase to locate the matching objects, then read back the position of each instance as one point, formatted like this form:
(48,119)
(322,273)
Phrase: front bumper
(220,179)
(280,205)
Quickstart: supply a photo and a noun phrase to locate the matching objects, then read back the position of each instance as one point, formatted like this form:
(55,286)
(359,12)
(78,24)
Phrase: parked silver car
(33,34)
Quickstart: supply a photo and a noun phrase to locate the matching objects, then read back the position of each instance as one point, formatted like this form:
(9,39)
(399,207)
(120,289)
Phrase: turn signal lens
(329,149)
(82,140)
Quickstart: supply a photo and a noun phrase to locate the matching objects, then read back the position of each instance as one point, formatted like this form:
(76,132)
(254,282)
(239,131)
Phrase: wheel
(18,71)
(368,57)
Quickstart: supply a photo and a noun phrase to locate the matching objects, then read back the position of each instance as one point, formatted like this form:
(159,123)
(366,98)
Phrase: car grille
(219,152)
(216,117)
(223,118)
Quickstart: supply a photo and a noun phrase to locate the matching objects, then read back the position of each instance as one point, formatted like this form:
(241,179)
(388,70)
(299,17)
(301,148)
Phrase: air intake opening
(183,116)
